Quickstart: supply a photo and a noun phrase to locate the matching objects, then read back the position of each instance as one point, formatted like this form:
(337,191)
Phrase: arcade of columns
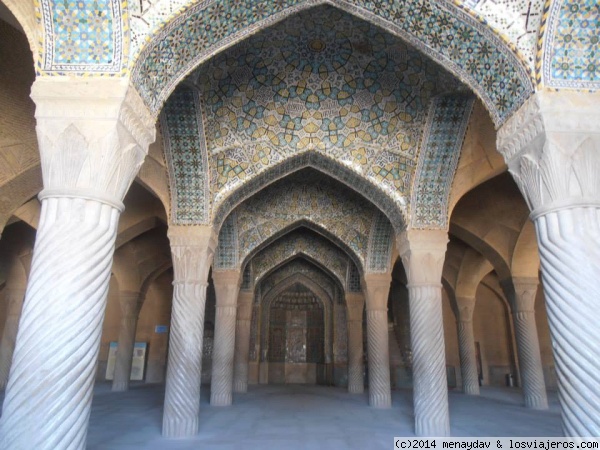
(93,135)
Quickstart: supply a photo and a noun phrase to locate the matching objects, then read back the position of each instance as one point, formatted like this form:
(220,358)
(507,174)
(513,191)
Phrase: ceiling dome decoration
(331,83)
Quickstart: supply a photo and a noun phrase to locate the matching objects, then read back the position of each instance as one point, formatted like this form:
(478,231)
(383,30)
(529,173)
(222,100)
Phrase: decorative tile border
(463,44)
(185,152)
(442,141)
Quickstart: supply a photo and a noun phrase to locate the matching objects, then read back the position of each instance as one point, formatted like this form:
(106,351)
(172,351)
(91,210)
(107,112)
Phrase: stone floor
(304,417)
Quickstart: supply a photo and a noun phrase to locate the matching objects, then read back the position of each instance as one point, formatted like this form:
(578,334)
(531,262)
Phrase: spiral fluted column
(93,136)
(131,303)
(193,249)
(423,253)
(242,341)
(355,301)
(466,346)
(569,242)
(14,298)
(521,294)
(551,148)
(49,393)
(378,289)
(227,287)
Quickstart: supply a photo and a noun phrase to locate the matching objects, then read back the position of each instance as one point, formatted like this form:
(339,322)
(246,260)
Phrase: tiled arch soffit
(306,199)
(442,30)
(308,245)
(299,266)
(556,39)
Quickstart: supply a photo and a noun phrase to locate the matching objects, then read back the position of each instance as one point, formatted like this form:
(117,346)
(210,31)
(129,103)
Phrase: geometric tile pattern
(281,92)
(328,167)
(82,36)
(465,45)
(185,152)
(518,21)
(442,141)
(572,45)
(146,16)
(301,243)
(353,278)
(247,278)
(226,254)
(381,241)
(306,197)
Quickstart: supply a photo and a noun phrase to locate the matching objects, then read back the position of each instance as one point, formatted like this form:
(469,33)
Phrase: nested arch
(308,225)
(311,246)
(395,212)
(443,31)
(307,282)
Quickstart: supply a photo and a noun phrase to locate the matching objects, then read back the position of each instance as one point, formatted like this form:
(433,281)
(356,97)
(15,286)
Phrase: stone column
(551,146)
(466,345)
(131,304)
(521,294)
(93,135)
(227,288)
(378,289)
(14,299)
(192,248)
(423,253)
(242,341)
(355,302)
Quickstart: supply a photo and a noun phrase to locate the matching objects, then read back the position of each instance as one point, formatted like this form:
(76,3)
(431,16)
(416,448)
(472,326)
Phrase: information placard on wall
(138,363)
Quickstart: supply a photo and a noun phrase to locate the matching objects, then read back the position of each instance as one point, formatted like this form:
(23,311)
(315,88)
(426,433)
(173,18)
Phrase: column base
(240,387)
(536,402)
(177,428)
(471,390)
(380,401)
(356,389)
(221,400)
(425,427)
(120,386)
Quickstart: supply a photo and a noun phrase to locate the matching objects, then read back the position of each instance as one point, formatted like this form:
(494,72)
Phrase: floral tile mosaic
(465,45)
(572,46)
(442,141)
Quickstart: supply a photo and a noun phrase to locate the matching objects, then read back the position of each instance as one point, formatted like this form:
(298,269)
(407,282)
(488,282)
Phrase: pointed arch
(161,66)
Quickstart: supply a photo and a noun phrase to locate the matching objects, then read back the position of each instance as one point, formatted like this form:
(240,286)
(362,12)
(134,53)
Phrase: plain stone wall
(492,331)
(3,309)
(156,311)
(451,341)
(541,318)
(110,328)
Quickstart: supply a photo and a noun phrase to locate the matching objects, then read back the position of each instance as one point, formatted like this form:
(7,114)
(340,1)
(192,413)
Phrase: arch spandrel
(450,32)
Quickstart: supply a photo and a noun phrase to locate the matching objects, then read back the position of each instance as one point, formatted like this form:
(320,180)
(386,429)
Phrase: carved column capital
(355,302)
(95,130)
(193,248)
(244,304)
(227,286)
(423,253)
(466,307)
(520,293)
(551,146)
(377,290)
(131,303)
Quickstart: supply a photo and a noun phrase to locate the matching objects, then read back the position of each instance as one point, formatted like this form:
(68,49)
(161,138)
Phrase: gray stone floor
(303,417)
